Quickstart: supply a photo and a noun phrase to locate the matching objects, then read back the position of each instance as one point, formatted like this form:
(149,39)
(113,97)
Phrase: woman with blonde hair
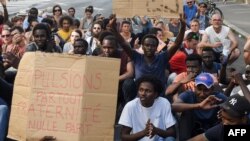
(68,47)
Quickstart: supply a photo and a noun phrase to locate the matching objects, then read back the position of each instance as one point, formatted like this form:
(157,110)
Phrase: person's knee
(236,52)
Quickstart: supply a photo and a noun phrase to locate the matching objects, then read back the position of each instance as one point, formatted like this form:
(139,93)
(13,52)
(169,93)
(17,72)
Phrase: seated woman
(65,29)
(68,47)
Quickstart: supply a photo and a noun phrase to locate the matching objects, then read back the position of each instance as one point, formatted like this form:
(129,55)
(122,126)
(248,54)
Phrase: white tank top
(214,37)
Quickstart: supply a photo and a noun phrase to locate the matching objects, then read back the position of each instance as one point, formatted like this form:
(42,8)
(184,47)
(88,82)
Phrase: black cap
(236,106)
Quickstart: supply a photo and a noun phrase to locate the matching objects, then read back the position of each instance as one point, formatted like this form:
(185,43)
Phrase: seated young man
(231,113)
(185,80)
(208,62)
(198,107)
(148,117)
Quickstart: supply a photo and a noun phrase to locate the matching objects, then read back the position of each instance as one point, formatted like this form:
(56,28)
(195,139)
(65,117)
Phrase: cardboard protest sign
(69,97)
(151,8)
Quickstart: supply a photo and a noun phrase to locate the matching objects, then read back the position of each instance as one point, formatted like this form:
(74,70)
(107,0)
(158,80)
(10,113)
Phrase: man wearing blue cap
(233,112)
(199,107)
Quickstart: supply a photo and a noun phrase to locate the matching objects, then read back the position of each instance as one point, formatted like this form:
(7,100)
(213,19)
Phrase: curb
(236,29)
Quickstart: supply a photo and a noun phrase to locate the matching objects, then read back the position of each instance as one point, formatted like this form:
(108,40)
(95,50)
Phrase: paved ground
(102,6)
(15,6)
(237,16)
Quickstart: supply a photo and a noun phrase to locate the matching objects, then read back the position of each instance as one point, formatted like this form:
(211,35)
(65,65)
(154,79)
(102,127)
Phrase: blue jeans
(4,112)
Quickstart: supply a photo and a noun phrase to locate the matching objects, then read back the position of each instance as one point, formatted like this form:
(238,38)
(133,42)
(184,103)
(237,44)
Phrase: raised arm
(129,73)
(179,39)
(6,15)
(238,78)
(122,42)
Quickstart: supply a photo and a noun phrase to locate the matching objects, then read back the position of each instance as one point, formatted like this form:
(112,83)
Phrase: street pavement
(21,6)
(237,16)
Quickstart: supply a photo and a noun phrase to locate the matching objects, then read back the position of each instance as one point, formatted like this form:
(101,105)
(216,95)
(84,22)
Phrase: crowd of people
(175,82)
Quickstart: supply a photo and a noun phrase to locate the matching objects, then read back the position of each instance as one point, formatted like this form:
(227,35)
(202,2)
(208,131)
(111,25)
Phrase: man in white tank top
(221,39)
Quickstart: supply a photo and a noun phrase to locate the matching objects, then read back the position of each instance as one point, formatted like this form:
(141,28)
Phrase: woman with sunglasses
(68,47)
(57,13)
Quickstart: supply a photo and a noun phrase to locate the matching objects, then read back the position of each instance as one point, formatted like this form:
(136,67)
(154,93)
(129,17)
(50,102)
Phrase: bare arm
(223,72)
(173,88)
(180,106)
(234,42)
(209,103)
(238,78)
(205,43)
(6,15)
(129,73)
(123,43)
(229,88)
(179,39)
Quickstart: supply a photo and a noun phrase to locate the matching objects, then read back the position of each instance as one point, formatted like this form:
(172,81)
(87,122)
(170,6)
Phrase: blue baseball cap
(205,79)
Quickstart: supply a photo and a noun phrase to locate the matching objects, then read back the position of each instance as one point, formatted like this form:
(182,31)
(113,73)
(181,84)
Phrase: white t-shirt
(134,115)
(214,37)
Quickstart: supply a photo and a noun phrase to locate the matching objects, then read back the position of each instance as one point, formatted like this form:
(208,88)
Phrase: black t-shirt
(215,133)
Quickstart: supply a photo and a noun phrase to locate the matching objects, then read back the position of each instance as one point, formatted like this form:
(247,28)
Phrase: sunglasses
(217,20)
(190,2)
(56,10)
(7,35)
